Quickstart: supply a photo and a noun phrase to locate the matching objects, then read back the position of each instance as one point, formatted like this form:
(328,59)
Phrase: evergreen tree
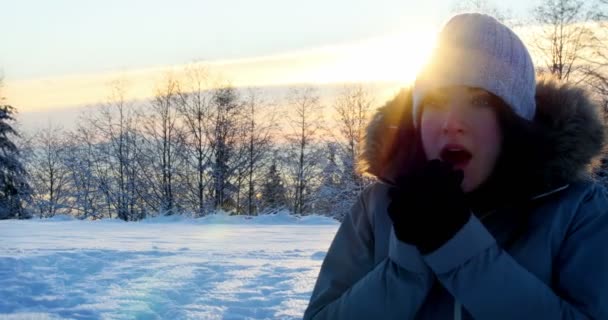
(14,188)
(273,189)
(333,197)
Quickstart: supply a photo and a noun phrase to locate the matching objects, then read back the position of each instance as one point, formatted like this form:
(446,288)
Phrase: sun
(396,57)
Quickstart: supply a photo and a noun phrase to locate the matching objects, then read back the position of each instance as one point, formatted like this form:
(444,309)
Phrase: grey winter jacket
(556,267)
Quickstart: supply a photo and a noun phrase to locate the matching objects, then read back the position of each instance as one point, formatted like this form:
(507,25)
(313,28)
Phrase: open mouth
(459,157)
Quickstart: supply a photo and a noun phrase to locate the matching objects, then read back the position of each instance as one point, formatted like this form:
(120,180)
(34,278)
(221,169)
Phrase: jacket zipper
(457,310)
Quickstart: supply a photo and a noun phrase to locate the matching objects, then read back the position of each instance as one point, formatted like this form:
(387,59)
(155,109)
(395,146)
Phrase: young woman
(483,209)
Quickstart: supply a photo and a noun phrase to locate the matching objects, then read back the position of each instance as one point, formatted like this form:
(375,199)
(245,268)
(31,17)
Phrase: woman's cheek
(430,132)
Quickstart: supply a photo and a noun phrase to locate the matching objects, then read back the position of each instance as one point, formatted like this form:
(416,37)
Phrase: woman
(483,209)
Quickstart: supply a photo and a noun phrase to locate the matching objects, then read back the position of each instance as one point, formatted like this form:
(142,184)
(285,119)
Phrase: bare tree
(195,107)
(574,45)
(80,161)
(487,7)
(303,154)
(353,107)
(48,172)
(260,122)
(163,139)
(568,42)
(341,182)
(115,123)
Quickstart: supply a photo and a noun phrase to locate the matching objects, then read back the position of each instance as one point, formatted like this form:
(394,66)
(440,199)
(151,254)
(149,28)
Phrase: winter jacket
(544,258)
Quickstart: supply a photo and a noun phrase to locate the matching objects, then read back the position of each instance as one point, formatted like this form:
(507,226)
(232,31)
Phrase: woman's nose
(453,122)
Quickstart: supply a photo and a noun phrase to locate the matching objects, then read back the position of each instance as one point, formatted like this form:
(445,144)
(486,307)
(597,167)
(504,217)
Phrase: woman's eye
(434,103)
(480,102)
(434,106)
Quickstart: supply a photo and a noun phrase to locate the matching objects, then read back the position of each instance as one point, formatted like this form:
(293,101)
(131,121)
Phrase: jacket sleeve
(490,284)
(351,286)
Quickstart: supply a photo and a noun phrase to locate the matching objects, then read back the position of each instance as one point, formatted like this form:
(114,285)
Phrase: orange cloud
(381,59)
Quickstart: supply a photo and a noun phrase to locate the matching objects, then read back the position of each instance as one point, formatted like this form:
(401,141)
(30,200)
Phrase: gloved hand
(428,206)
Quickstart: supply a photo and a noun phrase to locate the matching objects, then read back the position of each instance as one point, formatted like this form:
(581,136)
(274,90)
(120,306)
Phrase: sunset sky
(63,53)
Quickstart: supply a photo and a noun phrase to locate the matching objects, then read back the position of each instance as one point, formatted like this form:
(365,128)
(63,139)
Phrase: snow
(217,267)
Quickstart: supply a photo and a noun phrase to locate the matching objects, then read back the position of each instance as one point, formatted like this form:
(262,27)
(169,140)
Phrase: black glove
(428,207)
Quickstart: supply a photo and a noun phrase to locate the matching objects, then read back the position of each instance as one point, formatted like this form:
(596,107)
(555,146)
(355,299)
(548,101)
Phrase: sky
(64,53)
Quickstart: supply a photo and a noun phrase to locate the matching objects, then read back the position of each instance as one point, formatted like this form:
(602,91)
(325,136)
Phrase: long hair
(515,175)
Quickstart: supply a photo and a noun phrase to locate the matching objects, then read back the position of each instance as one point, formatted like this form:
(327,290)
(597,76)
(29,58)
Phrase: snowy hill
(217,267)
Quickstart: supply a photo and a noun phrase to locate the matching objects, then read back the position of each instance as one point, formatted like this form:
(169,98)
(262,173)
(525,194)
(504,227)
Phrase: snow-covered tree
(115,121)
(14,187)
(48,172)
(81,161)
(328,194)
(341,183)
(273,191)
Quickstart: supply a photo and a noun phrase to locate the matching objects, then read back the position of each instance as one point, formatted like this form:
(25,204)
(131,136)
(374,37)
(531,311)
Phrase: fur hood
(570,133)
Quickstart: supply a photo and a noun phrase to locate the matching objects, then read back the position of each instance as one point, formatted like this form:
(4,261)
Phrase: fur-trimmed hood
(572,134)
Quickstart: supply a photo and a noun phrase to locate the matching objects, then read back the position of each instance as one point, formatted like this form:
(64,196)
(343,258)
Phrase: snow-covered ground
(217,267)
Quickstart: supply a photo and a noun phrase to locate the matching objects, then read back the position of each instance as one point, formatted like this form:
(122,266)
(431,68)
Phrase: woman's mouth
(458,156)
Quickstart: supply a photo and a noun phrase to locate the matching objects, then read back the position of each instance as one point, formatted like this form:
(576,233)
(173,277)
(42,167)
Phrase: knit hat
(476,50)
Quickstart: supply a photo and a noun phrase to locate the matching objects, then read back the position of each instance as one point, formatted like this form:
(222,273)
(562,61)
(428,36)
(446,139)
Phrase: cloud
(380,59)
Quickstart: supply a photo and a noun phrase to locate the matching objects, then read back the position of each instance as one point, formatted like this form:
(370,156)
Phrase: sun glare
(392,58)
(397,57)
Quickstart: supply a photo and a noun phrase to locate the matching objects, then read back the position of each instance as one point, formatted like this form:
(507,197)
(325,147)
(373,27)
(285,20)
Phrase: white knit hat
(476,50)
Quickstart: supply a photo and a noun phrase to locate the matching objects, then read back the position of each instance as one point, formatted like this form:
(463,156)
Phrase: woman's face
(459,125)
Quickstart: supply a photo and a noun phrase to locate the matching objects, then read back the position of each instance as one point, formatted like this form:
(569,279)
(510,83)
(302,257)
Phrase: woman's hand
(428,207)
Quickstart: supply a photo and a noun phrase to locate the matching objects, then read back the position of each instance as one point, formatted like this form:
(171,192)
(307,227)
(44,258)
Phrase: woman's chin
(467,185)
